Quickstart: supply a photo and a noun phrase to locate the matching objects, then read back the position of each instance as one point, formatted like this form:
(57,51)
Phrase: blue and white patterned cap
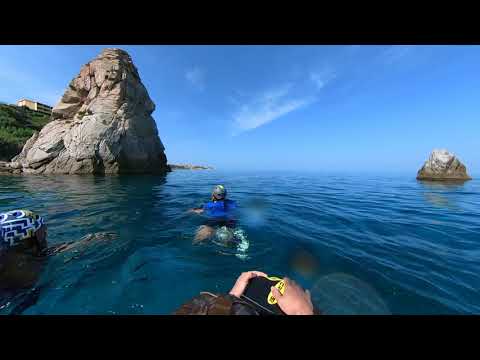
(3,244)
(18,225)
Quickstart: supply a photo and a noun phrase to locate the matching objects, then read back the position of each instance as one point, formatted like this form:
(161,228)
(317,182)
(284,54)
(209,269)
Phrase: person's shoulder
(208,205)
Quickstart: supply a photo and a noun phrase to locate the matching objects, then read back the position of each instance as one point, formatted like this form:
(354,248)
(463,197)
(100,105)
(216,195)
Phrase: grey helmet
(219,192)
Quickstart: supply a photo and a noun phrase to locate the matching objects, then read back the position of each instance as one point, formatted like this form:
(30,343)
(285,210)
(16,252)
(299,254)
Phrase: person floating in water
(23,254)
(220,213)
(291,300)
(23,241)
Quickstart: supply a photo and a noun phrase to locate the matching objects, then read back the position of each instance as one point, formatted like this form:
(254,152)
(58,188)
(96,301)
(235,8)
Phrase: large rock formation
(443,166)
(101,125)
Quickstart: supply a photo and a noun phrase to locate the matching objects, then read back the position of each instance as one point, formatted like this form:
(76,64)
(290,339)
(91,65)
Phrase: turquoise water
(362,244)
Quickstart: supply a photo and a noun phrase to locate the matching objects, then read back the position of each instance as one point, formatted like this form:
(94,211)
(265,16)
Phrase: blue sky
(327,108)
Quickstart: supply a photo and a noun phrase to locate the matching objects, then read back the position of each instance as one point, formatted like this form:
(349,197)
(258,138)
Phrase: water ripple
(416,244)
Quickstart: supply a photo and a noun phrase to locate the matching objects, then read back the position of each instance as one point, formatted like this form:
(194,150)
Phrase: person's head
(219,193)
(23,230)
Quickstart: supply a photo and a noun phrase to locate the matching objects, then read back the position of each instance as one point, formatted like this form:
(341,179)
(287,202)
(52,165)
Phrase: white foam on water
(243,245)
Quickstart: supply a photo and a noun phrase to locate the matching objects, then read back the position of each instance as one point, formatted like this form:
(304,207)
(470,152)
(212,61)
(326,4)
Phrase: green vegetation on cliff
(17,125)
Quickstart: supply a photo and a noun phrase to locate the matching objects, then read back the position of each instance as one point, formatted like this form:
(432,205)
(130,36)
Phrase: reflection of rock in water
(87,204)
(343,294)
(438,200)
(437,192)
(443,185)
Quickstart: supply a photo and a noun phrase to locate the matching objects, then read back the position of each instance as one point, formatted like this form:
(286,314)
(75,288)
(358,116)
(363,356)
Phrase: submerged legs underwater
(225,237)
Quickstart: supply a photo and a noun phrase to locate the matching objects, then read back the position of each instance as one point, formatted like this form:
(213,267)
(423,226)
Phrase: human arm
(242,282)
(196,210)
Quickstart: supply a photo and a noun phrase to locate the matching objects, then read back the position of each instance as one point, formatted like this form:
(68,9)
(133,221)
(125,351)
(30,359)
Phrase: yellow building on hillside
(35,106)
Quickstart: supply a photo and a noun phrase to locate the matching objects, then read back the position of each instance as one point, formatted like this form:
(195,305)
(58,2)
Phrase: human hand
(196,211)
(243,280)
(294,301)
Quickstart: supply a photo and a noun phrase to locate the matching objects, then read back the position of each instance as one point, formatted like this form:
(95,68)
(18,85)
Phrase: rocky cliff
(101,125)
(442,165)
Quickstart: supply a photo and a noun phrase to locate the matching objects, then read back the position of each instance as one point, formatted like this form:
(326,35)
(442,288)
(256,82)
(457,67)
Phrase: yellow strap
(281,287)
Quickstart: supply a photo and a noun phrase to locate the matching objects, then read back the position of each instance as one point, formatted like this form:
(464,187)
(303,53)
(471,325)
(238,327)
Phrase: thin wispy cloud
(322,78)
(266,107)
(196,76)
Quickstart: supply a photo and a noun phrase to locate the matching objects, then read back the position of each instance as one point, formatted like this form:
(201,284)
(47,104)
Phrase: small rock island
(189,167)
(443,166)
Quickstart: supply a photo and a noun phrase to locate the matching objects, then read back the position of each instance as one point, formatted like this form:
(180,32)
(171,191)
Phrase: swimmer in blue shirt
(219,211)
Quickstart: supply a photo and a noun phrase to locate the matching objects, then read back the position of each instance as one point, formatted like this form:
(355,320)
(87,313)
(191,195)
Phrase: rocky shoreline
(8,168)
(3,168)
(189,167)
